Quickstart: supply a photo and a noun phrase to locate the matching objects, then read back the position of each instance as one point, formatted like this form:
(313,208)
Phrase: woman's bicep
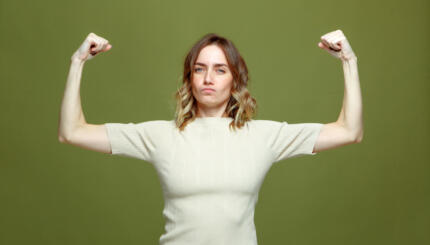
(92,137)
(333,135)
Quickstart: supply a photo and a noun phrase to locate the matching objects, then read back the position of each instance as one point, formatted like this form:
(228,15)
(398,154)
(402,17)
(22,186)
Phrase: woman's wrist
(74,60)
(350,60)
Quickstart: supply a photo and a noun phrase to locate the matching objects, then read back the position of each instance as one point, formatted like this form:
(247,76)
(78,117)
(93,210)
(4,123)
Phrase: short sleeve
(292,140)
(135,140)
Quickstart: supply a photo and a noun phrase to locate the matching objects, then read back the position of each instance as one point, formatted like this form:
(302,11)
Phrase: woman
(212,158)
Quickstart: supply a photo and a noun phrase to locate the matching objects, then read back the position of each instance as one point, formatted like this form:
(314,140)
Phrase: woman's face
(212,79)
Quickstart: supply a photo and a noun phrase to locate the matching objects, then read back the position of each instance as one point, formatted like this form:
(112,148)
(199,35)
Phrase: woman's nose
(208,77)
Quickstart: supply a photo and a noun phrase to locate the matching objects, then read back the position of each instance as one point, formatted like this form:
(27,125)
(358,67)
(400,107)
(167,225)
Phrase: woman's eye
(199,68)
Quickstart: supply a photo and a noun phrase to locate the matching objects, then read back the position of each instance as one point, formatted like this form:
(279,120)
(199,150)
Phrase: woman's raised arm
(348,128)
(72,127)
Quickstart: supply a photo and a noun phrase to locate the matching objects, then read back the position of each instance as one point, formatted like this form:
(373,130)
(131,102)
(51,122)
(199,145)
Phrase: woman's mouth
(208,90)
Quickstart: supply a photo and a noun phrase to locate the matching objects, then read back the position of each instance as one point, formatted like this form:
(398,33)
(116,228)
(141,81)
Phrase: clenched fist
(337,45)
(91,46)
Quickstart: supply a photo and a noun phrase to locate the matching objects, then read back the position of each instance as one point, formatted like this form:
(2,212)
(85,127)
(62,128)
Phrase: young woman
(212,158)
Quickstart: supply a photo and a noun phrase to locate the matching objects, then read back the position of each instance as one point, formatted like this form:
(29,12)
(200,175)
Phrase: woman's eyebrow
(216,64)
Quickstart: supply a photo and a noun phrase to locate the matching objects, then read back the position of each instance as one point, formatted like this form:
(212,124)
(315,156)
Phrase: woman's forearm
(351,115)
(71,114)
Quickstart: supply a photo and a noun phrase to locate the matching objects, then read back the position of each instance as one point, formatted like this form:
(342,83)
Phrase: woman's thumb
(321,45)
(109,46)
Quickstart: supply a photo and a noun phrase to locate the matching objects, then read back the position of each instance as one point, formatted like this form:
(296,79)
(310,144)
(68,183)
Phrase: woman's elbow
(359,138)
(62,139)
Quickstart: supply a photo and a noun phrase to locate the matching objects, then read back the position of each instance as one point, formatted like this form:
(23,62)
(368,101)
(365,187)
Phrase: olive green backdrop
(376,192)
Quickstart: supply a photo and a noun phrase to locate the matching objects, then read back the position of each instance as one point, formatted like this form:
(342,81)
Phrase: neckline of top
(213,119)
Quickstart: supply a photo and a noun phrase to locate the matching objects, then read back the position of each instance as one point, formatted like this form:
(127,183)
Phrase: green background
(375,192)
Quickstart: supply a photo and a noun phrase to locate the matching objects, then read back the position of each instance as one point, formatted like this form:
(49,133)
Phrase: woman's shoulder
(265,122)
(264,126)
(156,123)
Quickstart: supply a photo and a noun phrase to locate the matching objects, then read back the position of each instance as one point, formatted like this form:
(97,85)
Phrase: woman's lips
(209,90)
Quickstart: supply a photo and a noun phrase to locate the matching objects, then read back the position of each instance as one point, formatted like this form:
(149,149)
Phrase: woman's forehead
(211,55)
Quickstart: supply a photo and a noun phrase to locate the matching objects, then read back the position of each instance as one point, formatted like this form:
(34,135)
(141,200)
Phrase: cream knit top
(211,175)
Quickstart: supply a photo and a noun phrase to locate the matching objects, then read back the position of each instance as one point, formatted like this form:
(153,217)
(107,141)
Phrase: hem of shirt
(111,135)
(313,140)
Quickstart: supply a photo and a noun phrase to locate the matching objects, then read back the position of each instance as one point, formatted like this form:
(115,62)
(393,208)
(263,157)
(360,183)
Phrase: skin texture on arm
(71,114)
(72,127)
(348,128)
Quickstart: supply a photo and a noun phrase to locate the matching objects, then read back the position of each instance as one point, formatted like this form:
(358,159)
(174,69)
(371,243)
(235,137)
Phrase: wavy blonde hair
(242,107)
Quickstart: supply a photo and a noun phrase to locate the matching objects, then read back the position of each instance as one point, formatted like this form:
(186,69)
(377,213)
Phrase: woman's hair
(241,106)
